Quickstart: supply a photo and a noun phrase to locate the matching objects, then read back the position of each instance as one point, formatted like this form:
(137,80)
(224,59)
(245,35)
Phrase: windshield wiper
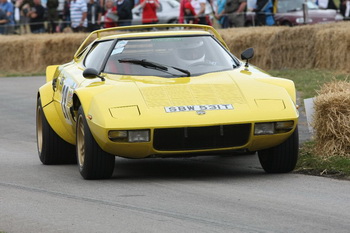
(149,64)
(182,70)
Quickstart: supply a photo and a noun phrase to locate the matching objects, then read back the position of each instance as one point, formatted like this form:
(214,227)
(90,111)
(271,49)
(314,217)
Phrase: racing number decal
(65,91)
(66,101)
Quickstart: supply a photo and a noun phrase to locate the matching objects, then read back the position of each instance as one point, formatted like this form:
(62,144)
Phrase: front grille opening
(195,138)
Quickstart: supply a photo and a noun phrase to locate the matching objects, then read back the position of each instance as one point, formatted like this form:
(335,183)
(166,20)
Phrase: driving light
(138,136)
(264,128)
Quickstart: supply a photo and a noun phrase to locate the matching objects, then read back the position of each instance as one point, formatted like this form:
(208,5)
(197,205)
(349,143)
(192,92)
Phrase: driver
(191,52)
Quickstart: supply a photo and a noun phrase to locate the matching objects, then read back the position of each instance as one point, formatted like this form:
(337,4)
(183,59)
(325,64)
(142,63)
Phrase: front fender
(285,83)
(86,95)
(51,72)
(46,95)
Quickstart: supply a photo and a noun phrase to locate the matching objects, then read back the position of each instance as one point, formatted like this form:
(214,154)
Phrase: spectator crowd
(51,16)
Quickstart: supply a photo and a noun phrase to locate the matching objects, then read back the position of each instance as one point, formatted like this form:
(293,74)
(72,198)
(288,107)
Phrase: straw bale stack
(332,119)
(259,38)
(323,46)
(32,53)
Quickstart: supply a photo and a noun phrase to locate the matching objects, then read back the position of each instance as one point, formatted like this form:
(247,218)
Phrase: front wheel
(94,163)
(281,158)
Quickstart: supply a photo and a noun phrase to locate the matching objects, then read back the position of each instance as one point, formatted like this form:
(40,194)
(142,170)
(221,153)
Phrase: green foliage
(314,163)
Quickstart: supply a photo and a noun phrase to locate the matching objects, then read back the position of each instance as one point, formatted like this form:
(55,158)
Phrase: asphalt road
(206,194)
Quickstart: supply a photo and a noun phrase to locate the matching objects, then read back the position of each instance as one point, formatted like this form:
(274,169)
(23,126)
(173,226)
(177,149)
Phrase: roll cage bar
(125,29)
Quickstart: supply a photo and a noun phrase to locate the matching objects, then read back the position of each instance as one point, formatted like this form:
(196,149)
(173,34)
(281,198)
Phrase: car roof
(134,32)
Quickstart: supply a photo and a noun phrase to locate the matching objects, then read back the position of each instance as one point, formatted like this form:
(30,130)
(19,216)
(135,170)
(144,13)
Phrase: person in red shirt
(110,15)
(182,10)
(149,12)
(189,14)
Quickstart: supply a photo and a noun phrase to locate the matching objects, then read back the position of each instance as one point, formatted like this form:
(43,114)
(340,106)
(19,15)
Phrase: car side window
(160,8)
(97,54)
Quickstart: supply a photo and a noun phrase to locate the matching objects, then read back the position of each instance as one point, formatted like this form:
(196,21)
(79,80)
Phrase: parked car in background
(168,12)
(290,13)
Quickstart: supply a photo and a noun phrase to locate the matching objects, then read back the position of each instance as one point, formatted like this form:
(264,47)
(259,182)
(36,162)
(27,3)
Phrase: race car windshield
(169,57)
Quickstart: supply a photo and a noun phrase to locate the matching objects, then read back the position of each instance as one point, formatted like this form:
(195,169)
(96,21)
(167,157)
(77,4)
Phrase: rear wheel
(52,149)
(94,163)
(286,23)
(281,158)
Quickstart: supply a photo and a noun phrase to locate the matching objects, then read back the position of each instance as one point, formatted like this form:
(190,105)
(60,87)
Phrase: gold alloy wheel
(80,141)
(39,128)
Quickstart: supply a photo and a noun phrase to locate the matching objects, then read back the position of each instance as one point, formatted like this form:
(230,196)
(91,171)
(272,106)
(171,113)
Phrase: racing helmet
(191,51)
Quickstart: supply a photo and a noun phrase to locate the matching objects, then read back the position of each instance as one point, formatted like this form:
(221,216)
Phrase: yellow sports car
(160,91)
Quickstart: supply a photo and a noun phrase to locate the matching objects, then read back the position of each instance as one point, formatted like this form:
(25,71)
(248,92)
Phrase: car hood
(216,98)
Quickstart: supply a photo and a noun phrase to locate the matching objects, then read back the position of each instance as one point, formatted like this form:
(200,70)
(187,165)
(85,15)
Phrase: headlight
(264,128)
(283,126)
(273,127)
(339,17)
(129,135)
(301,20)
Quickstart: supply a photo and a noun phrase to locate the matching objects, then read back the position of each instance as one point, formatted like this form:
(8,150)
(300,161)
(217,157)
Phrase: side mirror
(91,73)
(246,55)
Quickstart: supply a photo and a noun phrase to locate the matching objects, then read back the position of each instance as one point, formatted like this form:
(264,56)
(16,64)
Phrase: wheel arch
(286,22)
(82,97)
(45,94)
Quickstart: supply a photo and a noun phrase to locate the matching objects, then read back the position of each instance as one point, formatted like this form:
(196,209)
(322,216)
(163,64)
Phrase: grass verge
(310,161)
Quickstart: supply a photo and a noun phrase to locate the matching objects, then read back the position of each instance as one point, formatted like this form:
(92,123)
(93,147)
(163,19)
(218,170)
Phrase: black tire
(93,162)
(287,23)
(248,24)
(52,149)
(281,158)
(173,21)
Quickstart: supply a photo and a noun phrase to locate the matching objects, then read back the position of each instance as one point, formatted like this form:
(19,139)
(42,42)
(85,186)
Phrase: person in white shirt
(78,14)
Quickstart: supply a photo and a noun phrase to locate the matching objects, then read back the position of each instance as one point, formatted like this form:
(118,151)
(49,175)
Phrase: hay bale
(323,46)
(332,48)
(332,119)
(33,53)
(259,38)
(294,47)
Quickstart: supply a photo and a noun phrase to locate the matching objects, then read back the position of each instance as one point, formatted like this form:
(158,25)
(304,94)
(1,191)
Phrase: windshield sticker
(189,108)
(119,48)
